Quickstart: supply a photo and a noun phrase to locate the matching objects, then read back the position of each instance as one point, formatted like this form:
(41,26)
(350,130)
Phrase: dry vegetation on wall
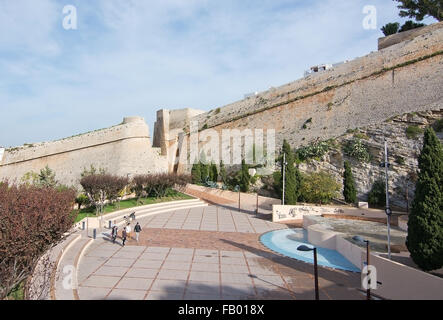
(32,219)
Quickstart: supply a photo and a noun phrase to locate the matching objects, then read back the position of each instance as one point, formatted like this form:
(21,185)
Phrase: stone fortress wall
(124,149)
(401,79)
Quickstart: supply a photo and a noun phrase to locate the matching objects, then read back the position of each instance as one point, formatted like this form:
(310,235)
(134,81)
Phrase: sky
(134,57)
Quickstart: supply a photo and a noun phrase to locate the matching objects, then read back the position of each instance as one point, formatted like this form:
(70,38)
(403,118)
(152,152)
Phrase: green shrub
(223,174)
(400,160)
(409,25)
(245,178)
(196,173)
(390,28)
(357,150)
(82,199)
(349,190)
(377,195)
(315,150)
(438,125)
(318,187)
(213,173)
(204,170)
(412,132)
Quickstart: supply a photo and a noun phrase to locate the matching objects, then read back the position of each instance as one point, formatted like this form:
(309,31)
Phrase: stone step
(150,207)
(66,272)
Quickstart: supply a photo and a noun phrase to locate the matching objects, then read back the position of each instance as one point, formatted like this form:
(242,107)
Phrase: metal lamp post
(284,164)
(361,240)
(388,210)
(306,248)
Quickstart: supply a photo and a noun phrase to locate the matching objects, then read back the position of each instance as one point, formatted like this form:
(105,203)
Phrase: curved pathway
(203,253)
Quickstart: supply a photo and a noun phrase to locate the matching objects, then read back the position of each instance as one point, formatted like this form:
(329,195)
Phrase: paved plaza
(203,253)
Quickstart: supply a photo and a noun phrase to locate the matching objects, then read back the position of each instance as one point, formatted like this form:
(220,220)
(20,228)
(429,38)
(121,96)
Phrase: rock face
(403,153)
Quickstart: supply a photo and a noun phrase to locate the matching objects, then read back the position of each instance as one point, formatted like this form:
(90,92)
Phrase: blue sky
(134,57)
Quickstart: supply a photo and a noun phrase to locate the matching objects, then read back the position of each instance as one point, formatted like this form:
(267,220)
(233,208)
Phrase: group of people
(126,232)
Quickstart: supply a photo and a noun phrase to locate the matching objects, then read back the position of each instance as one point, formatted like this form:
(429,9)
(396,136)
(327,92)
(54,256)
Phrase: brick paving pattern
(187,255)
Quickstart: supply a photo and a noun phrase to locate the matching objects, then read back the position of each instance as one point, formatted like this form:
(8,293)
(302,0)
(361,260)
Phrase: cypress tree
(223,174)
(425,225)
(204,170)
(213,174)
(245,178)
(292,176)
(195,173)
(349,191)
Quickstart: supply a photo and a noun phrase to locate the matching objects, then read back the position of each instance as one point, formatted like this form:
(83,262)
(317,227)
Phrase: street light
(284,164)
(388,210)
(306,248)
(361,240)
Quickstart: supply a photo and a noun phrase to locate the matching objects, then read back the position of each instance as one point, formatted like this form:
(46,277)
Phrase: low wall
(398,281)
(285,213)
(247,200)
(406,35)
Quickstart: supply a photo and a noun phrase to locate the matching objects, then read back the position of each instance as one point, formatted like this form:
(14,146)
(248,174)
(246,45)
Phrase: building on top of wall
(318,68)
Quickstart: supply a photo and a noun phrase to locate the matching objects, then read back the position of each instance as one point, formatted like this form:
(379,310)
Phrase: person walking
(128,230)
(137,230)
(124,236)
(114,233)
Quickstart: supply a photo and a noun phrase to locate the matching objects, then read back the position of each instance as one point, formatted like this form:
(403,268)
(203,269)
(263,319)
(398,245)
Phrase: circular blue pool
(287,241)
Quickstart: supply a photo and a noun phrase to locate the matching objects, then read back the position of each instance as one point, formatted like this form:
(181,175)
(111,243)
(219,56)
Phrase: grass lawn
(18,293)
(131,203)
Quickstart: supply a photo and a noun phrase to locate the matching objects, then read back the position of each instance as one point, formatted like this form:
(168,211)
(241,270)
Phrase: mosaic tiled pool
(287,241)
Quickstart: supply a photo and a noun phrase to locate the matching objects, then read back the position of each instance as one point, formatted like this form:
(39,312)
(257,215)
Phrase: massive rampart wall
(403,78)
(123,149)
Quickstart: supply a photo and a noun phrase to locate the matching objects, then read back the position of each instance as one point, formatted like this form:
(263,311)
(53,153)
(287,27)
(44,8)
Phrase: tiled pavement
(211,218)
(187,263)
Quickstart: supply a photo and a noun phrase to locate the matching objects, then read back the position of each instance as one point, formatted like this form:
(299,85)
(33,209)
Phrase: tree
(30,178)
(204,170)
(349,190)
(82,199)
(99,187)
(47,177)
(425,224)
(223,174)
(390,28)
(292,176)
(419,9)
(32,219)
(409,25)
(213,173)
(319,187)
(92,170)
(196,173)
(245,178)
(139,186)
(377,195)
